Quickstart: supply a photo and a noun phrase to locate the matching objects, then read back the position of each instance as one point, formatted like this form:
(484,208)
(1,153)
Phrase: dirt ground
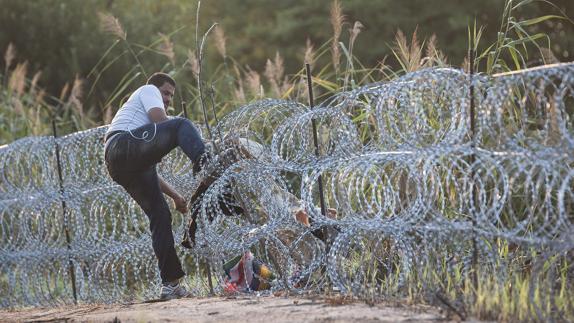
(273,309)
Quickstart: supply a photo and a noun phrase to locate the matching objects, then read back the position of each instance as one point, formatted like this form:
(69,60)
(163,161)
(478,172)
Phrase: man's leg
(144,188)
(157,140)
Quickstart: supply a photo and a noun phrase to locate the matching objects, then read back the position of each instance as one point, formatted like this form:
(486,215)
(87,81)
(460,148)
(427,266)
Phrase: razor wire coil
(410,184)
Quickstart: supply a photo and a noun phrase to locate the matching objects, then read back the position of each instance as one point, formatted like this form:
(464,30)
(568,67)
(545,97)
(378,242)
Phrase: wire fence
(422,193)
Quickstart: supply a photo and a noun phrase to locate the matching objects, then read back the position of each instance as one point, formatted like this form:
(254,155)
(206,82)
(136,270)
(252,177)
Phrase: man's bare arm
(157,115)
(180,202)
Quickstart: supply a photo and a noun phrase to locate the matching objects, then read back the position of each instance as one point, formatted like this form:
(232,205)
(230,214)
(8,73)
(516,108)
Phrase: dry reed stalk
(76,94)
(432,46)
(303,89)
(110,24)
(337,20)
(282,79)
(433,55)
(279,64)
(274,71)
(64,92)
(35,90)
(193,62)
(17,82)
(548,56)
(270,76)
(409,55)
(220,40)
(415,52)
(309,57)
(18,106)
(37,121)
(382,67)
(466,65)
(355,31)
(165,48)
(553,113)
(35,79)
(285,86)
(108,115)
(39,98)
(238,92)
(253,80)
(9,55)
(402,45)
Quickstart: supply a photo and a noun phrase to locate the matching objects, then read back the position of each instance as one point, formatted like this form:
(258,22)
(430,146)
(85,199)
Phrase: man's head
(165,84)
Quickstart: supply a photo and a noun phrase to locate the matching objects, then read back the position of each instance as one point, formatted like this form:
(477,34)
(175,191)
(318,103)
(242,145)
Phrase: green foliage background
(63,38)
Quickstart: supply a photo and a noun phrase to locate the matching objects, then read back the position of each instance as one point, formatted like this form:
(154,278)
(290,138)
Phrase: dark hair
(158,79)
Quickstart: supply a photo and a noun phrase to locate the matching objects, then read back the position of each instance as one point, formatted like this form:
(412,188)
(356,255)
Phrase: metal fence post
(321,234)
(474,191)
(64,212)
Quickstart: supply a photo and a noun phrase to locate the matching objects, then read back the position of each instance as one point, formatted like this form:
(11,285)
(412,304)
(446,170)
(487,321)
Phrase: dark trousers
(131,161)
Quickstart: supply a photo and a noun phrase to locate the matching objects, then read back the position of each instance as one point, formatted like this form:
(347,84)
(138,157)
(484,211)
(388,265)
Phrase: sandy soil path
(232,309)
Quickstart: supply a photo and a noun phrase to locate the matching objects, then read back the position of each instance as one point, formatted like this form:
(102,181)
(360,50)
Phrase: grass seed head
(337,21)
(9,55)
(111,25)
(17,81)
(165,48)
(220,41)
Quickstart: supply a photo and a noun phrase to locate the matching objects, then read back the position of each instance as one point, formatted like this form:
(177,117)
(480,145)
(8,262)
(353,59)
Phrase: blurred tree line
(64,39)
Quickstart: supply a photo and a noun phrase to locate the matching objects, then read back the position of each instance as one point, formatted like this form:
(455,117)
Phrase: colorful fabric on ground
(246,274)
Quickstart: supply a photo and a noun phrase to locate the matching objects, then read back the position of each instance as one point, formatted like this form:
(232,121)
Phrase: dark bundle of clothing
(212,168)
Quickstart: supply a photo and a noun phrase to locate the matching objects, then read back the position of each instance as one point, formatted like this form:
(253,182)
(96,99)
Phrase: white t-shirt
(134,113)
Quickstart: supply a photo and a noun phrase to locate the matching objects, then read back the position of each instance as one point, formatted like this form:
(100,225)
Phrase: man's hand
(180,203)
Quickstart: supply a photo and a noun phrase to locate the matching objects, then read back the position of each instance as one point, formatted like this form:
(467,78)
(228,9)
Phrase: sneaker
(169,291)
